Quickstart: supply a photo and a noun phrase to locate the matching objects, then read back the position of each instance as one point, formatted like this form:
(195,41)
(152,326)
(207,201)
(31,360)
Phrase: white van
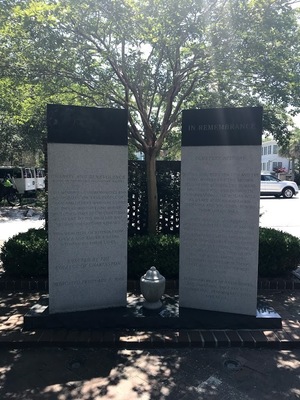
(40,178)
(23,178)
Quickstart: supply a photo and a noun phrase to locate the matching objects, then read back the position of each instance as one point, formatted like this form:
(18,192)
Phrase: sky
(297,120)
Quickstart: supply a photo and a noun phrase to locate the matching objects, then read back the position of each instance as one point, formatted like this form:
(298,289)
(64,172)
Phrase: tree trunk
(293,168)
(150,158)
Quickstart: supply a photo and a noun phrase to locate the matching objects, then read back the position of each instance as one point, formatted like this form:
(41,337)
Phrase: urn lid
(153,275)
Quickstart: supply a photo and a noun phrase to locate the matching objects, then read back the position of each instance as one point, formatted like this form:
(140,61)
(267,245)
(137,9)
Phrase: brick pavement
(14,304)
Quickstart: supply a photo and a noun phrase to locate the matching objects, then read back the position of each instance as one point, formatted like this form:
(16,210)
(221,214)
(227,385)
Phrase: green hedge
(279,252)
(162,251)
(26,254)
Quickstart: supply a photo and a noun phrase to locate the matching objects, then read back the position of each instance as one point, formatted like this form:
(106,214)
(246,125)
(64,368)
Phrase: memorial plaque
(219,209)
(87,206)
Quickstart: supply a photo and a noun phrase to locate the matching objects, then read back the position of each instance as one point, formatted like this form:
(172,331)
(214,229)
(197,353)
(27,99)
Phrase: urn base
(152,305)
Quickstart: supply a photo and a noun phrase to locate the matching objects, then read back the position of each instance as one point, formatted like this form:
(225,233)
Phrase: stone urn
(152,286)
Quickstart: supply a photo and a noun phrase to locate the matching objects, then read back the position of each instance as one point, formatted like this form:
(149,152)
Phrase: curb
(13,336)
(141,340)
(36,285)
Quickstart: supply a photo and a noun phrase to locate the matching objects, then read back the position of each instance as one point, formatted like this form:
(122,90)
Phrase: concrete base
(135,316)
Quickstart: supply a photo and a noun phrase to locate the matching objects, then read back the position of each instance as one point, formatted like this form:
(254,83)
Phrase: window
(40,173)
(270,178)
(27,173)
(277,165)
(265,150)
(4,172)
(269,149)
(275,149)
(17,173)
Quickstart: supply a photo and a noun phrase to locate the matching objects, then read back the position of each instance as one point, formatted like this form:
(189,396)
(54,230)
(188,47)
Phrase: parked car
(272,186)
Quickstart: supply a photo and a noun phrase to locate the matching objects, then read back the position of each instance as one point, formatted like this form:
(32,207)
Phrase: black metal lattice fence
(168,187)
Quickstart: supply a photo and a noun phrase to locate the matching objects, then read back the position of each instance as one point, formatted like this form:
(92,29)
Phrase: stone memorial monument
(219,210)
(87,226)
(87,208)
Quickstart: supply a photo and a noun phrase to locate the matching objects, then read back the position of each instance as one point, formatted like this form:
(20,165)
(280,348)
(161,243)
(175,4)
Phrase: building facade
(271,160)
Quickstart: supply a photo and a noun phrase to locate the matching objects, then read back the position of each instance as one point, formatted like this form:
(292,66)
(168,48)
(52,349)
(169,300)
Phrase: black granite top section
(222,127)
(86,125)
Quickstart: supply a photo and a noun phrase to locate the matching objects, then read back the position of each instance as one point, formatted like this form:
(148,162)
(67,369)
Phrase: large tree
(291,150)
(17,114)
(156,57)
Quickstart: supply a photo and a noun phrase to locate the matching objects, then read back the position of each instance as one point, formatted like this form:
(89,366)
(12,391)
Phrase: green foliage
(162,251)
(153,58)
(291,149)
(297,179)
(26,254)
(279,252)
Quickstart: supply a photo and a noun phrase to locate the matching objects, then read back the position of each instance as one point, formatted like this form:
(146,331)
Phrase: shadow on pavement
(85,374)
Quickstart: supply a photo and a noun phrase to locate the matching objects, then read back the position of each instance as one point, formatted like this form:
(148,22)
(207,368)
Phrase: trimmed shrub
(279,252)
(26,254)
(162,251)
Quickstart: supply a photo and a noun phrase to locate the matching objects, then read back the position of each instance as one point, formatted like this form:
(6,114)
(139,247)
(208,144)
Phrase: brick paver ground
(15,304)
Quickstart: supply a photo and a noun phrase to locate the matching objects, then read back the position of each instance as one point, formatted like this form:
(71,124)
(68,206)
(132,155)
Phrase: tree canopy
(155,58)
(291,150)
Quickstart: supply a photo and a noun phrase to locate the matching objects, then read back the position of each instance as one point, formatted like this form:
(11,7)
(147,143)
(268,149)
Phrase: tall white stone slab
(87,208)
(219,209)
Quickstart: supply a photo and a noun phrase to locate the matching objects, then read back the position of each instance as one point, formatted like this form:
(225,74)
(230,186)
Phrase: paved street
(282,214)
(11,228)
(15,219)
